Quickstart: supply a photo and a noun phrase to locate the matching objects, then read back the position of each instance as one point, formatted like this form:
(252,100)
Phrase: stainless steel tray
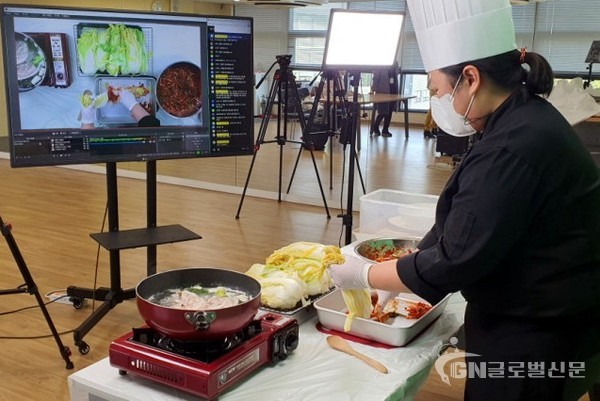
(302,313)
(332,312)
(115,113)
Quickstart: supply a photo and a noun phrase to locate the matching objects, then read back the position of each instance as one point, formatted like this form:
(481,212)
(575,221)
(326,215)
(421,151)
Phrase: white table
(312,372)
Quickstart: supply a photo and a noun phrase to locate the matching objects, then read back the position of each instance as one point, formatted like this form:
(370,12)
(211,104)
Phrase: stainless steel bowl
(387,248)
(180,85)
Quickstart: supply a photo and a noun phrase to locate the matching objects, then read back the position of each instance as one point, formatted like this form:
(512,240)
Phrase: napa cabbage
(304,262)
(281,292)
(359,304)
(118,50)
(86,51)
(101,55)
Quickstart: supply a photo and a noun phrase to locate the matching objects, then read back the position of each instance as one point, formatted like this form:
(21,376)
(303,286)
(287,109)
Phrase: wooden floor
(53,211)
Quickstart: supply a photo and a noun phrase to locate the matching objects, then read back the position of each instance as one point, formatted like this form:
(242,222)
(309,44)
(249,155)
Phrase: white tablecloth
(312,372)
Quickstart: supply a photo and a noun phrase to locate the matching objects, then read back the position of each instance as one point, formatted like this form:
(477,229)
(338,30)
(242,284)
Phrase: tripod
(339,102)
(30,287)
(285,90)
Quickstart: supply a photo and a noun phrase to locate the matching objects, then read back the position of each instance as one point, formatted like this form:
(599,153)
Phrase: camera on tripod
(284,59)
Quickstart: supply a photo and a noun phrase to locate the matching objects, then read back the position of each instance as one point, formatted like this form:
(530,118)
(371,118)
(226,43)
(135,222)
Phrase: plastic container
(391,213)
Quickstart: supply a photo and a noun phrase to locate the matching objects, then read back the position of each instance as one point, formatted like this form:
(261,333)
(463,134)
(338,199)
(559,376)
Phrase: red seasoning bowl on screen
(179,90)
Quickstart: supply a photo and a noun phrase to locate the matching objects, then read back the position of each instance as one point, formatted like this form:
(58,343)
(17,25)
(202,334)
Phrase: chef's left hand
(353,273)
(383,297)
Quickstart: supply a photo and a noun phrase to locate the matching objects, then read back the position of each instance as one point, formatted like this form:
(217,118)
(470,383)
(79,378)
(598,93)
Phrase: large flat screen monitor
(66,69)
(362,40)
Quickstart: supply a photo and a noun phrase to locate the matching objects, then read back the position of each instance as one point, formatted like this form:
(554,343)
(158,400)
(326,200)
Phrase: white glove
(127,99)
(353,273)
(383,297)
(88,115)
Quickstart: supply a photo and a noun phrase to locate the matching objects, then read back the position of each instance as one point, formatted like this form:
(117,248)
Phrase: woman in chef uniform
(517,227)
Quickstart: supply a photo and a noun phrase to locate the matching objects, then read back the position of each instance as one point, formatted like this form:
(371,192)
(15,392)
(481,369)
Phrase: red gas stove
(205,368)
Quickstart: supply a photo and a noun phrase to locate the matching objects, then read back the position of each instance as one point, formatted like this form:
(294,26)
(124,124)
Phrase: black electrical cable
(32,337)
(30,307)
(98,260)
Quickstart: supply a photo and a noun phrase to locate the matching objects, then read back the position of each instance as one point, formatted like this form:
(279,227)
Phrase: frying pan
(198,325)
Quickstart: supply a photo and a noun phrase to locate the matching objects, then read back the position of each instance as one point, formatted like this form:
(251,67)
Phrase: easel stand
(587,83)
(335,100)
(114,241)
(31,288)
(284,90)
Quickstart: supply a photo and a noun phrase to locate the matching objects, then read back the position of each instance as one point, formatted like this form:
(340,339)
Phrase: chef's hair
(507,71)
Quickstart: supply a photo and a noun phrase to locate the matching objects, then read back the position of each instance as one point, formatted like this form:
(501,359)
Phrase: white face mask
(449,121)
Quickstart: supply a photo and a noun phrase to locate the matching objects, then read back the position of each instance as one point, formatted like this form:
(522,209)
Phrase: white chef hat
(451,32)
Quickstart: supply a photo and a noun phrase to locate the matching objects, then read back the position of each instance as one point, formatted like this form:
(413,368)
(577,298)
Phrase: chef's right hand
(127,99)
(352,274)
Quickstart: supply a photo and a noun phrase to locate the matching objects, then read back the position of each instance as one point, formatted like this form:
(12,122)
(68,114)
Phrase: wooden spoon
(338,343)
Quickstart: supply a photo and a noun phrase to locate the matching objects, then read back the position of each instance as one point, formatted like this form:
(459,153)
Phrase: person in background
(517,226)
(384,82)
(128,100)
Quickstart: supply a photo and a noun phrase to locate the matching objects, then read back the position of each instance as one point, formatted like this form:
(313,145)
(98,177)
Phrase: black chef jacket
(517,227)
(517,230)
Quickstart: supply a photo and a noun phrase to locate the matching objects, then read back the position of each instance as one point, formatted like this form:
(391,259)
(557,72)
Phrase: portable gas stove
(205,368)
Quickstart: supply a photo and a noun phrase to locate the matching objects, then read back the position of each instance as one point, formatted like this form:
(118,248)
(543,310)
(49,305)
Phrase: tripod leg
(237,215)
(32,289)
(294,170)
(65,352)
(259,140)
(331,162)
(362,182)
(281,145)
(312,155)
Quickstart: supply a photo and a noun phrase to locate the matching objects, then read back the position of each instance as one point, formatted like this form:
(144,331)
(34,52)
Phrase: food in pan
(116,50)
(199,298)
(293,274)
(179,90)
(31,62)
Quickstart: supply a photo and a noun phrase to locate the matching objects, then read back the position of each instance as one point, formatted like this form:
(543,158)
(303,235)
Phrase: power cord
(98,260)
(31,337)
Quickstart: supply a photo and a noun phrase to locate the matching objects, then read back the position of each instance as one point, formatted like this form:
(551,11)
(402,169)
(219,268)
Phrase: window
(562,31)
(307,33)
(415,84)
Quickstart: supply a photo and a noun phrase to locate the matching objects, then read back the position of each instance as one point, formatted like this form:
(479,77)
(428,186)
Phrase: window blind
(564,31)
(560,30)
